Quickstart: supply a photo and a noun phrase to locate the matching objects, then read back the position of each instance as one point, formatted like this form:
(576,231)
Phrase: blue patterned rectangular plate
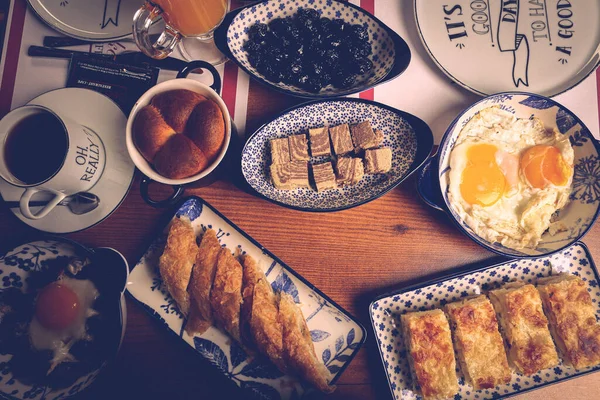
(337,336)
(385,314)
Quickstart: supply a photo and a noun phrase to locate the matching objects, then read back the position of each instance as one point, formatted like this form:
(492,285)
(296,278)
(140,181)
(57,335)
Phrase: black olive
(343,79)
(338,25)
(362,66)
(279,27)
(324,26)
(335,42)
(360,32)
(251,46)
(296,66)
(258,32)
(332,57)
(325,78)
(316,68)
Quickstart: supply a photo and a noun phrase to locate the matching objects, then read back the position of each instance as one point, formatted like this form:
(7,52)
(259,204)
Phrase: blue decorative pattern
(537,102)
(331,328)
(15,268)
(383,56)
(399,135)
(585,196)
(385,316)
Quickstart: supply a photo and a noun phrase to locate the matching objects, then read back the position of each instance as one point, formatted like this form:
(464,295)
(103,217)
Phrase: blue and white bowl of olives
(312,48)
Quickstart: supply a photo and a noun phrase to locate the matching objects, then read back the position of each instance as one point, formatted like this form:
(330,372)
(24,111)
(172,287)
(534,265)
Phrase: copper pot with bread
(178,132)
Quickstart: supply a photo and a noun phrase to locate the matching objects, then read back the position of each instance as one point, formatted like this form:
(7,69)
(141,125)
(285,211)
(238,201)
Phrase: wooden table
(350,255)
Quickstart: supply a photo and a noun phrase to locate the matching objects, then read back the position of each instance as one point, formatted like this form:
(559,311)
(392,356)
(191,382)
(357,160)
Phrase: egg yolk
(57,306)
(543,165)
(482,182)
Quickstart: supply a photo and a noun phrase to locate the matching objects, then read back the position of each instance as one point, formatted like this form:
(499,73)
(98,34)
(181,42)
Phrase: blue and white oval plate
(337,336)
(386,310)
(409,138)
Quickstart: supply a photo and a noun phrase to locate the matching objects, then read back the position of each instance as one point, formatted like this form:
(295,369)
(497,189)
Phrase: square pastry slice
(363,136)
(280,151)
(525,327)
(349,170)
(478,342)
(572,317)
(378,135)
(319,141)
(290,175)
(299,148)
(299,174)
(378,161)
(341,139)
(430,354)
(324,176)
(281,176)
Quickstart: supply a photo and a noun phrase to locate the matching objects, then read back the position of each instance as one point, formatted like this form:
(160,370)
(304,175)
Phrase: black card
(125,84)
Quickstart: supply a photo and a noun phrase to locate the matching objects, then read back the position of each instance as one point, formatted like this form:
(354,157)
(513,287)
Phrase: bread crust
(478,342)
(179,158)
(299,351)
(201,283)
(226,294)
(572,315)
(176,262)
(206,128)
(150,132)
(176,106)
(430,353)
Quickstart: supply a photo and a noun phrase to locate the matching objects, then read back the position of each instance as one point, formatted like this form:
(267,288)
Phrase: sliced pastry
(478,342)
(201,283)
(298,348)
(176,262)
(572,316)
(525,327)
(226,294)
(260,326)
(430,354)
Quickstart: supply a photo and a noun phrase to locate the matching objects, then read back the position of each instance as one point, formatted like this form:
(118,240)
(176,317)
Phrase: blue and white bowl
(409,138)
(21,263)
(584,206)
(391,55)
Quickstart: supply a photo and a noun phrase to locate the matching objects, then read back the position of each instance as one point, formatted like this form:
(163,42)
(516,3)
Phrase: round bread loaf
(151,132)
(206,128)
(180,132)
(176,106)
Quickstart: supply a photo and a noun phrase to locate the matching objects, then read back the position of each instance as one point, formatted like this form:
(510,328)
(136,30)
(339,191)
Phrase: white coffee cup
(81,167)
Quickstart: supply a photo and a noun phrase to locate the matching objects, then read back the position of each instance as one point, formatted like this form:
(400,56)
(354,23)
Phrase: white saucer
(497,46)
(104,117)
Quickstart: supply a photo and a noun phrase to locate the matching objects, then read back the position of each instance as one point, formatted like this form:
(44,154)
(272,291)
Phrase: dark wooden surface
(351,255)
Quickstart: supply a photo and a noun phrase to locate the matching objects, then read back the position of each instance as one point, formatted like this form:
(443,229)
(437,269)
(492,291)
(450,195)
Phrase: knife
(128,57)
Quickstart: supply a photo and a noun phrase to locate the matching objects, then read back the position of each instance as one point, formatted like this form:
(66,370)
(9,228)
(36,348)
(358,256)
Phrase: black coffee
(35,148)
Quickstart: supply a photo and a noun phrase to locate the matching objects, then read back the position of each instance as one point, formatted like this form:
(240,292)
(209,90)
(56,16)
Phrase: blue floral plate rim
(403,53)
(147,308)
(445,207)
(423,134)
(462,271)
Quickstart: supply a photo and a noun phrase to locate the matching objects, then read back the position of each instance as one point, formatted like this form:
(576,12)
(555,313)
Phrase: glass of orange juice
(189,23)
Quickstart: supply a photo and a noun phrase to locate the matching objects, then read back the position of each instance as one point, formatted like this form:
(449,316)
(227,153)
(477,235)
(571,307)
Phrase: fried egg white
(62,309)
(508,176)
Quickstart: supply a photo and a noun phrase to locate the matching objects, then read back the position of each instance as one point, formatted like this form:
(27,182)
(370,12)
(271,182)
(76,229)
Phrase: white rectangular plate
(337,336)
(386,310)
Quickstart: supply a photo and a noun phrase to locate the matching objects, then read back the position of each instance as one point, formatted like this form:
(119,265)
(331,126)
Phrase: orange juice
(193,17)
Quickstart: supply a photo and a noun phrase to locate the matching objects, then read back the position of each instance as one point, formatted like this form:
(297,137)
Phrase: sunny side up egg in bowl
(520,174)
(508,176)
